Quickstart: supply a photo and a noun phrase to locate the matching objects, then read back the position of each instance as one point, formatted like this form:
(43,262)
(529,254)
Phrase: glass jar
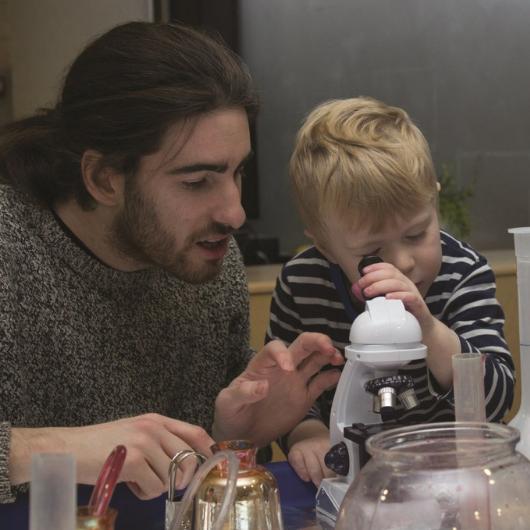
(445,476)
(256,504)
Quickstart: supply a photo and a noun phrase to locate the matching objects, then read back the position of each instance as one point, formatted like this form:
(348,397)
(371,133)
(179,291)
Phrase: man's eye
(241,174)
(194,184)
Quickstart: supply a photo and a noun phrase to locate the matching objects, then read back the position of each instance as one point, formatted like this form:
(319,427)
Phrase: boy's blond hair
(362,160)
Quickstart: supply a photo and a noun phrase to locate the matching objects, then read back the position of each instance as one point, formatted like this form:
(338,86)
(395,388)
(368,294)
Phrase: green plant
(454,202)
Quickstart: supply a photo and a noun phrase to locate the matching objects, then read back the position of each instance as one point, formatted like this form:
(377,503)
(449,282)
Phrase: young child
(365,184)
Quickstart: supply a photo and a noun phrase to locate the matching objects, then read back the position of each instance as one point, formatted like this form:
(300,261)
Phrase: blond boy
(365,184)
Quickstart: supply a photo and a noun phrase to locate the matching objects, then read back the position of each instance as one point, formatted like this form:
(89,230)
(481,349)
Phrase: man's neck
(93,229)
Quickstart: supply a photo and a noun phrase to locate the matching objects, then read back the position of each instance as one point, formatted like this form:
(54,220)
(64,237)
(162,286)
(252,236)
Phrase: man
(124,311)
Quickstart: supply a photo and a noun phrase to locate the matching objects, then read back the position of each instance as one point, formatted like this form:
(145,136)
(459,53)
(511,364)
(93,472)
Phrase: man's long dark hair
(119,97)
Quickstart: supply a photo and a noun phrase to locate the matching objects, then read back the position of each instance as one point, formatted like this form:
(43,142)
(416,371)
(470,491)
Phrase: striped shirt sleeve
(472,311)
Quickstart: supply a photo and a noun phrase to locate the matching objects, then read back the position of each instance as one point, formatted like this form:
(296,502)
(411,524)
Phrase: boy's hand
(307,459)
(383,279)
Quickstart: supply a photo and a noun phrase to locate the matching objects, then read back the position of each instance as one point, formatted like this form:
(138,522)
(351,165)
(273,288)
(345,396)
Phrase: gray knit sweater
(81,343)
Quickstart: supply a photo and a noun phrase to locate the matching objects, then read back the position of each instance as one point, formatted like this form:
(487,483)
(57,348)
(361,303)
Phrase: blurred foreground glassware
(468,386)
(445,476)
(256,505)
(52,495)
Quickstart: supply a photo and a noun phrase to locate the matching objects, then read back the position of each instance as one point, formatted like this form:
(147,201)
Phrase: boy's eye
(416,237)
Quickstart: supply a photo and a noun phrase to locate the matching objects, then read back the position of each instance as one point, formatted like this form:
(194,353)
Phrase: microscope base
(329,497)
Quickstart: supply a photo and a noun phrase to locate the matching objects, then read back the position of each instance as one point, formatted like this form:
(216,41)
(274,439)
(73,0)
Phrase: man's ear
(105,185)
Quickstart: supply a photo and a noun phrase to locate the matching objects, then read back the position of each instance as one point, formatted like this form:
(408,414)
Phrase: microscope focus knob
(337,459)
(408,398)
(385,390)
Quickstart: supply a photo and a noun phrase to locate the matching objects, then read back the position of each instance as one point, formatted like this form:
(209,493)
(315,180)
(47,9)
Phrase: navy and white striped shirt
(312,294)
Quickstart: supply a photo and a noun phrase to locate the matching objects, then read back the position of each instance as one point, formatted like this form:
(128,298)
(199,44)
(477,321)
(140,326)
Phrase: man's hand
(151,441)
(276,390)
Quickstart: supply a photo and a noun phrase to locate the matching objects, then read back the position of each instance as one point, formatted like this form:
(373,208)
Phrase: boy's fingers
(297,461)
(314,468)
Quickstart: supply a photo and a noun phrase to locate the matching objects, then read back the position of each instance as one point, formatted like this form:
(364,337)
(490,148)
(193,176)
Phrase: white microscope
(522,251)
(383,339)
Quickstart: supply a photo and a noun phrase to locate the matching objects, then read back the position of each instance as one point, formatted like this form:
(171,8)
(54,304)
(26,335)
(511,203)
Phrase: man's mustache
(216,229)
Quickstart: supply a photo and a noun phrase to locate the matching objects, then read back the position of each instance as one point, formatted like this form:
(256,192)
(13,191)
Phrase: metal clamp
(179,457)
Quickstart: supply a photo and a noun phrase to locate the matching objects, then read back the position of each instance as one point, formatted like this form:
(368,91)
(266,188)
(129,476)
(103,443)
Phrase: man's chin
(203,273)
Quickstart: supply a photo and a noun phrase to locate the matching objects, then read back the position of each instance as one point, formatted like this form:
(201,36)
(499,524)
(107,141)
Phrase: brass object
(86,521)
(257,503)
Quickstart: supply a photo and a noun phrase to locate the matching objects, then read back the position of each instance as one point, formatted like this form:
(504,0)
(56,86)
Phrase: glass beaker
(256,504)
(445,476)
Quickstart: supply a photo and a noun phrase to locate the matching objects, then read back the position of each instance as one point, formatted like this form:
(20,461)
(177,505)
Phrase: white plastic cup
(522,253)
(52,494)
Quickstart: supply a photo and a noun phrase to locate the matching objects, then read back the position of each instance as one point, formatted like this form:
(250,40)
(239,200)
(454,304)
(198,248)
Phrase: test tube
(52,494)
(468,385)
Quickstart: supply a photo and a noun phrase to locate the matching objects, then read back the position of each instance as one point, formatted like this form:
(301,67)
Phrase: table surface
(297,500)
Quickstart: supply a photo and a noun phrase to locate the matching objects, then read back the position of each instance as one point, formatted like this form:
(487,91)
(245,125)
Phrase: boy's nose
(403,261)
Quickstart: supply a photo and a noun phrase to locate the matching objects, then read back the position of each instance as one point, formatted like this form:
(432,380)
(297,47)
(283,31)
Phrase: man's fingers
(143,479)
(241,393)
(274,353)
(195,437)
(312,365)
(307,344)
(323,381)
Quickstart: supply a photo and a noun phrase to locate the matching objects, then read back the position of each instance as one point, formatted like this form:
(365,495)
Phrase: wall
(459,67)
(46,35)
(5,72)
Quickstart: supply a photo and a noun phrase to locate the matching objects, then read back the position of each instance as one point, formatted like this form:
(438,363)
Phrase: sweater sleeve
(476,316)
(6,492)
(8,386)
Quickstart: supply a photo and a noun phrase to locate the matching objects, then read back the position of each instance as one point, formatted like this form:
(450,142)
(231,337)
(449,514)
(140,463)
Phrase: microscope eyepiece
(367,260)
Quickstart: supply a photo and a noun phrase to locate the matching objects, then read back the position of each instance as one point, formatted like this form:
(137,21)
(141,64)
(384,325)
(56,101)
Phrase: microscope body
(382,340)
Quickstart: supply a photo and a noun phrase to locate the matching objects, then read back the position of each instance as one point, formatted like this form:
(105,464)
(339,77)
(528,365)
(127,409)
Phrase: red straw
(106,482)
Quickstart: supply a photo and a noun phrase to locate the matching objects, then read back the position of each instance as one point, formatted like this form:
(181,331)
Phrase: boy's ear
(438,187)
(319,246)
(105,185)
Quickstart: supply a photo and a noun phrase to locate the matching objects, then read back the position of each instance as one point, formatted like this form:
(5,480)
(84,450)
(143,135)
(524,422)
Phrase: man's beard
(138,234)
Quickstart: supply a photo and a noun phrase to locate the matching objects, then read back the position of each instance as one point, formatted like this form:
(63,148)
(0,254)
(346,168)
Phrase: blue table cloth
(297,499)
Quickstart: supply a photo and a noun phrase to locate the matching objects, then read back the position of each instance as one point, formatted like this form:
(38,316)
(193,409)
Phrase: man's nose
(229,210)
